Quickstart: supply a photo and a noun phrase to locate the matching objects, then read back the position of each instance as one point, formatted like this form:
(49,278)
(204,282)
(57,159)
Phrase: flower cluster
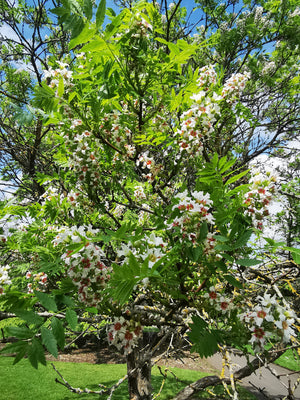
(72,234)
(85,150)
(149,167)
(207,76)
(197,122)
(258,198)
(115,127)
(193,211)
(39,281)
(124,334)
(119,210)
(139,193)
(267,319)
(218,301)
(4,277)
(234,86)
(88,272)
(151,246)
(60,73)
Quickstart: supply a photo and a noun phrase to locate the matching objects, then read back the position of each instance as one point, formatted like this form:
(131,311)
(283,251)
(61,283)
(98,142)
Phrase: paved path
(263,384)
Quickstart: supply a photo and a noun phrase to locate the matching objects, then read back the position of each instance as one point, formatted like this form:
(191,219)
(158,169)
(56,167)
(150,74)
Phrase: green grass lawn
(21,381)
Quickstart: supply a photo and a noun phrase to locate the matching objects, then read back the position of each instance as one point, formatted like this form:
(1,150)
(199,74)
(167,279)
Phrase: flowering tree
(146,221)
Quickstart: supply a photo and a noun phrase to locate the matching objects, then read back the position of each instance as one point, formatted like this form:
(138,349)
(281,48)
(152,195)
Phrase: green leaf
(100,14)
(36,353)
(46,301)
(234,282)
(296,257)
(220,238)
(30,317)
(14,347)
(85,35)
(223,247)
(71,318)
(61,87)
(248,262)
(20,332)
(123,291)
(88,9)
(203,231)
(21,352)
(58,332)
(205,341)
(243,239)
(235,178)
(49,341)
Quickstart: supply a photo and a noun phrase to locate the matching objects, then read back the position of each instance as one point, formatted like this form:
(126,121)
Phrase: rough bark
(139,372)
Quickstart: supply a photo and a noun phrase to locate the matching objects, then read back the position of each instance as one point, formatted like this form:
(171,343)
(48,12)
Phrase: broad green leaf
(71,318)
(49,341)
(97,45)
(235,178)
(203,231)
(296,257)
(88,9)
(221,238)
(58,332)
(61,87)
(100,14)
(46,301)
(205,341)
(20,332)
(14,347)
(85,35)
(21,352)
(30,317)
(36,353)
(124,289)
(243,239)
(248,262)
(223,247)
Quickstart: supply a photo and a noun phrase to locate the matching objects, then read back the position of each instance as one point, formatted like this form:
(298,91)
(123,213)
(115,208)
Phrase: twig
(105,390)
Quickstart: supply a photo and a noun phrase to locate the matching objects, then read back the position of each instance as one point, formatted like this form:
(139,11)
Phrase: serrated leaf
(46,301)
(88,9)
(100,13)
(36,353)
(58,332)
(49,341)
(205,341)
(21,353)
(243,239)
(235,178)
(123,291)
(85,35)
(71,318)
(30,317)
(248,262)
(223,247)
(14,347)
(20,332)
(234,282)
(220,238)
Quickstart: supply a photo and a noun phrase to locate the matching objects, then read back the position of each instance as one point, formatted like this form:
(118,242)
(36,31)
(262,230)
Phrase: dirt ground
(106,355)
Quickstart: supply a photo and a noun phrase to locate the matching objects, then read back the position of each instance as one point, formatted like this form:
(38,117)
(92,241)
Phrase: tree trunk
(139,372)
